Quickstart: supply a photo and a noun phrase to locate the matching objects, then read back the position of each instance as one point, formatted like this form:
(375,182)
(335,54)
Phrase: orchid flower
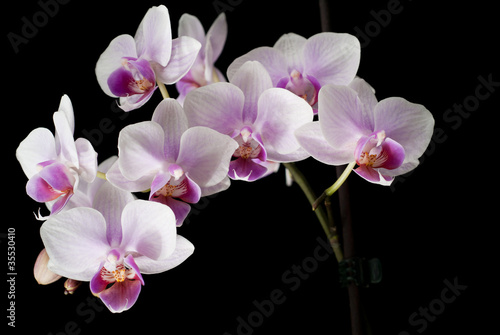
(130,66)
(260,118)
(203,71)
(83,197)
(113,244)
(385,138)
(303,66)
(54,164)
(178,165)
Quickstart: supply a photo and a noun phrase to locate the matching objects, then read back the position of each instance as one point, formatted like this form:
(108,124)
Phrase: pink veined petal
(170,116)
(208,63)
(292,45)
(281,113)
(154,36)
(38,146)
(184,52)
(272,59)
(218,106)
(140,149)
(411,125)
(312,140)
(76,242)
(205,154)
(343,117)
(121,296)
(366,93)
(180,208)
(115,177)
(87,157)
(253,79)
(148,228)
(332,58)
(216,36)
(183,249)
(190,25)
(222,186)
(110,59)
(294,156)
(66,107)
(65,143)
(110,201)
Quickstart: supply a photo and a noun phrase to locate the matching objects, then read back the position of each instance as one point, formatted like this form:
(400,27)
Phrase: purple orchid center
(305,87)
(249,157)
(118,282)
(175,189)
(177,186)
(379,151)
(115,270)
(248,147)
(135,76)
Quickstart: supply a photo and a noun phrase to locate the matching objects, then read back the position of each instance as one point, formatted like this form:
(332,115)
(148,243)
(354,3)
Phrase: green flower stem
(101,175)
(163,90)
(332,189)
(326,221)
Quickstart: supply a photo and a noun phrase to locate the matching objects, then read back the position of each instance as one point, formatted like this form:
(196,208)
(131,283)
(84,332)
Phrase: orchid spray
(111,223)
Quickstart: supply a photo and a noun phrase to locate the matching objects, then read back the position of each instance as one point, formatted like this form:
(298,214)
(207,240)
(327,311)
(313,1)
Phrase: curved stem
(332,189)
(327,225)
(163,90)
(215,77)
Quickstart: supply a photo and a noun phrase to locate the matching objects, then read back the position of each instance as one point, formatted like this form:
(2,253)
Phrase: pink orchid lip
(135,76)
(379,151)
(250,145)
(54,181)
(115,270)
(177,192)
(174,184)
(248,157)
(118,281)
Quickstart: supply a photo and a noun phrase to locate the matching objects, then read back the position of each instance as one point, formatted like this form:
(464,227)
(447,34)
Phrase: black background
(437,224)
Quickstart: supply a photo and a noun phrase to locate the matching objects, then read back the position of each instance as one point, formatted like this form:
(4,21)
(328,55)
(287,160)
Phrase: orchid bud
(71,285)
(41,272)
